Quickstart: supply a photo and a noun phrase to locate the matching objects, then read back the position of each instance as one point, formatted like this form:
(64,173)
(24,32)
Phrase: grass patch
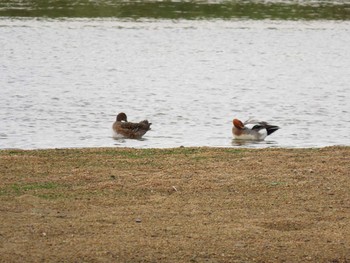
(21,188)
(162,205)
(277,183)
(51,196)
(233,150)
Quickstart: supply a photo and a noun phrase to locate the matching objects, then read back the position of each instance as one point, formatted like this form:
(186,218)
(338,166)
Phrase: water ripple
(63,82)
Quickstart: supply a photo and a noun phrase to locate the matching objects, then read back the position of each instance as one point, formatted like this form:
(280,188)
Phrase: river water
(62,81)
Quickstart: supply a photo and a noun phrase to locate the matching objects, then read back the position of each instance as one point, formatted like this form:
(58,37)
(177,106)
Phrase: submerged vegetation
(289,10)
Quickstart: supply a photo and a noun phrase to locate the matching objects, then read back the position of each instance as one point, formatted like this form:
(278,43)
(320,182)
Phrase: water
(62,81)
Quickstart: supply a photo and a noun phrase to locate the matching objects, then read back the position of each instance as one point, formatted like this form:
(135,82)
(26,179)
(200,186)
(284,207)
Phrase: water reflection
(253,144)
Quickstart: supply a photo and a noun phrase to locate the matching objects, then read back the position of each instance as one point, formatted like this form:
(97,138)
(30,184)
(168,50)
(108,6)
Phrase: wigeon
(257,132)
(123,128)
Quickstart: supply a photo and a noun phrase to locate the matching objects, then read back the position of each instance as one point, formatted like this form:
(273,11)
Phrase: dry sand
(175,205)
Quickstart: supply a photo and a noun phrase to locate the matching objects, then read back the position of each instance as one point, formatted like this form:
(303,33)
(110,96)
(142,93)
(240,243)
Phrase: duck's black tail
(271,129)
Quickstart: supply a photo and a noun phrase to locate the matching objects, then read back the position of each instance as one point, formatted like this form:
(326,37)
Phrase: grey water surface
(62,81)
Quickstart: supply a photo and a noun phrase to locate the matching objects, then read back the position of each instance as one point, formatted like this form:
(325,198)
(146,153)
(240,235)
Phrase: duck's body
(259,131)
(123,128)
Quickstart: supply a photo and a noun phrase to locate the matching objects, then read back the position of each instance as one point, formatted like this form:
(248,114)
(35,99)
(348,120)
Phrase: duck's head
(238,124)
(121,117)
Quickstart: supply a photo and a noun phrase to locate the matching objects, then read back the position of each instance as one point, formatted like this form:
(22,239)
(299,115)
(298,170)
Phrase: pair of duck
(258,131)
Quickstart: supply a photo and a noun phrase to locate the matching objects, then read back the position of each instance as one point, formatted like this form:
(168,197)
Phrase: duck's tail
(146,124)
(271,129)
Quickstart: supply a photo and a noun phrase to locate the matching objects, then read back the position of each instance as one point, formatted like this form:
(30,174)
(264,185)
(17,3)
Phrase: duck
(258,132)
(123,128)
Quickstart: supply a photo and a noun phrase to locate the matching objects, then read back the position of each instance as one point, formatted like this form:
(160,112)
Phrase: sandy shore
(175,205)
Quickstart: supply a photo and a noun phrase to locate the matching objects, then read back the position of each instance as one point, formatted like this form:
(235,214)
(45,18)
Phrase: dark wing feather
(143,125)
(264,125)
(257,127)
(130,126)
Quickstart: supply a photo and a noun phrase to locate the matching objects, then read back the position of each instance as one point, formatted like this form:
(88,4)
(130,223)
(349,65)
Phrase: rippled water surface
(62,82)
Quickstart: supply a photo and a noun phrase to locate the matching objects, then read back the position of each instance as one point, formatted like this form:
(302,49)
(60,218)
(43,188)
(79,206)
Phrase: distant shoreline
(257,10)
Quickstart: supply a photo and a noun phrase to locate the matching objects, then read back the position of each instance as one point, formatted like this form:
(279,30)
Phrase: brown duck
(123,128)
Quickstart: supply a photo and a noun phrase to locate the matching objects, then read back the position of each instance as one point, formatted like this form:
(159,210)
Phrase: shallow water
(62,82)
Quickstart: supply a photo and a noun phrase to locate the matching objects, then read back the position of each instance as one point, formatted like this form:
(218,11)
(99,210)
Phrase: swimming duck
(123,128)
(258,132)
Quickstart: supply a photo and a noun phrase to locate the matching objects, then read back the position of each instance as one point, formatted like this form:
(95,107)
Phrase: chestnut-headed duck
(123,128)
(257,132)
